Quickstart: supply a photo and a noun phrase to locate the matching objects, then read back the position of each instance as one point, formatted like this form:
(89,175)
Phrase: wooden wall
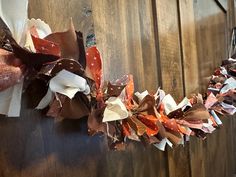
(174,44)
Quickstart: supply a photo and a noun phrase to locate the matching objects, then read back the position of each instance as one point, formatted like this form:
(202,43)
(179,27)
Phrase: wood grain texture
(212,40)
(234,145)
(234,2)
(125,37)
(36,146)
(191,77)
(189,48)
(57,13)
(124,31)
(218,151)
(172,75)
(231,20)
(211,37)
(169,42)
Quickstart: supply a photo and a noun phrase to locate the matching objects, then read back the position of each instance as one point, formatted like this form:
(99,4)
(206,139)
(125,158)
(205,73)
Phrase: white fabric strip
(10,104)
(68,83)
(15,14)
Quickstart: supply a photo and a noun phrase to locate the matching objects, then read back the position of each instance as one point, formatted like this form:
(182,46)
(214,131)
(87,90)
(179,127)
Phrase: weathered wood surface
(189,47)
(172,73)
(57,13)
(210,22)
(125,37)
(191,75)
(234,145)
(185,45)
(169,42)
(211,157)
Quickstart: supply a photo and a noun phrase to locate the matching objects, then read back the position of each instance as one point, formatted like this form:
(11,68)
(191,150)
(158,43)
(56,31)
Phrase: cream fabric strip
(115,110)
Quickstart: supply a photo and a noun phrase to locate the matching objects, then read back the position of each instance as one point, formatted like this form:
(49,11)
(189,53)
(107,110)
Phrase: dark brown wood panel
(34,145)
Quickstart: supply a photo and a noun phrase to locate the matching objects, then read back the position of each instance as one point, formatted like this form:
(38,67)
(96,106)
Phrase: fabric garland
(66,79)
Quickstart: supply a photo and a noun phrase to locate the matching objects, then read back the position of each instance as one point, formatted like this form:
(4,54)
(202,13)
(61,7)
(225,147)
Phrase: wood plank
(169,42)
(34,145)
(230,20)
(191,77)
(218,151)
(172,76)
(234,144)
(211,38)
(57,13)
(189,48)
(126,40)
(232,123)
(234,2)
